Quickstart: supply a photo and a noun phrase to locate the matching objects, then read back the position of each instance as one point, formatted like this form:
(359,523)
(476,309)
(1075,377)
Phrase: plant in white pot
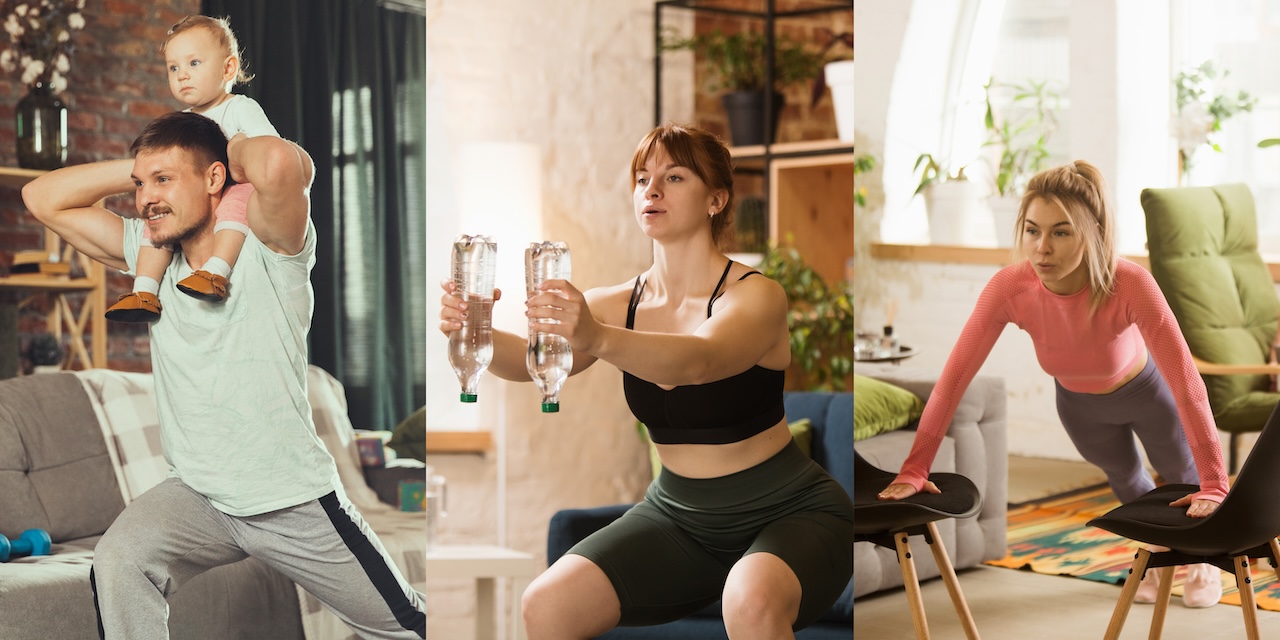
(1022,130)
(838,74)
(951,200)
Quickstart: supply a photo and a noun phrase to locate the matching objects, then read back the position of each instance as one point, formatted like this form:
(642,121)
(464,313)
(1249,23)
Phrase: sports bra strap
(638,290)
(715,295)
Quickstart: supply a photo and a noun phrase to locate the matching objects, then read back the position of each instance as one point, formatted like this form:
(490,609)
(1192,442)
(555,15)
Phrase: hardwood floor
(1020,605)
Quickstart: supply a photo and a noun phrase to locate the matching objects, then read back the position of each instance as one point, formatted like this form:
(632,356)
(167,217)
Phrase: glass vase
(41,129)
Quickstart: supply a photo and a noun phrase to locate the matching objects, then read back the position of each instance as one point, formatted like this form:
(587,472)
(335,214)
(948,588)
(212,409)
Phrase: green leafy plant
(45,349)
(1022,134)
(737,59)
(931,171)
(820,319)
(1269,142)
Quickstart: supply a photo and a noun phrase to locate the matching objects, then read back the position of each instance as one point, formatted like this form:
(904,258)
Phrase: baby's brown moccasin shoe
(206,286)
(137,306)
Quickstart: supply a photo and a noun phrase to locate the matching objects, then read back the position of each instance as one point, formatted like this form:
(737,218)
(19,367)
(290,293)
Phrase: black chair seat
(959,499)
(1150,519)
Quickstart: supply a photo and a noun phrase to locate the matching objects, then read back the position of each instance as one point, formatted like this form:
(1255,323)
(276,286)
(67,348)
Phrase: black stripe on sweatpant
(375,566)
(97,613)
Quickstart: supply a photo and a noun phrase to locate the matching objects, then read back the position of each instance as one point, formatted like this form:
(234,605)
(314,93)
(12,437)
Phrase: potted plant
(820,323)
(1022,133)
(950,200)
(738,64)
(46,353)
(838,74)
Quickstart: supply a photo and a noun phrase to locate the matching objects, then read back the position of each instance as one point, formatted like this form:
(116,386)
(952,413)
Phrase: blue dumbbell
(32,542)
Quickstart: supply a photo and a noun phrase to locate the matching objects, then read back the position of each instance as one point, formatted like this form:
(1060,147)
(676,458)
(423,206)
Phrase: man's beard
(181,235)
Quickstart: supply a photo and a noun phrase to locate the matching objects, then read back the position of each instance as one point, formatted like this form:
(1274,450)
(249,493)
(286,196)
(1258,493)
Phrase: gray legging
(171,534)
(1102,428)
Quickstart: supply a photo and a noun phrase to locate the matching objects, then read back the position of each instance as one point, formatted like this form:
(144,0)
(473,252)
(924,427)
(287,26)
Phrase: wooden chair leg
(1244,583)
(1126,595)
(912,583)
(953,584)
(1162,602)
(1275,552)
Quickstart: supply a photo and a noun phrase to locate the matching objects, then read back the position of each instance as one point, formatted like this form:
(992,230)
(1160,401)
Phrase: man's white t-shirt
(231,382)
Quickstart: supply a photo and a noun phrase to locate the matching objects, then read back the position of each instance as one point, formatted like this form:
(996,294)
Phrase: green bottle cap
(551,407)
(468,397)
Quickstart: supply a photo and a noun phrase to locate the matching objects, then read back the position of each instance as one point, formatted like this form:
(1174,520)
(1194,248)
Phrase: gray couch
(57,473)
(975,447)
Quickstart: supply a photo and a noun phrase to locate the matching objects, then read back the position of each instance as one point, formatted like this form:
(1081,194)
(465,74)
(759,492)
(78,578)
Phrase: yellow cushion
(879,407)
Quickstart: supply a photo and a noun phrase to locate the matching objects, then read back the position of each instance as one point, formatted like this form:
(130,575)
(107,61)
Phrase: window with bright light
(1241,37)
(951,49)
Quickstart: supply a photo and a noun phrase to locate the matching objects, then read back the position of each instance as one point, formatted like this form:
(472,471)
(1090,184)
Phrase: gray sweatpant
(171,534)
(1103,426)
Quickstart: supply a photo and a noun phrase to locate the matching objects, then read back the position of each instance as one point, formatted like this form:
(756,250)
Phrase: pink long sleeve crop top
(1085,354)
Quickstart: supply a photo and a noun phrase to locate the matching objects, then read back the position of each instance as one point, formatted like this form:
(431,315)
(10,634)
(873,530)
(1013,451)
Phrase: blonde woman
(1105,333)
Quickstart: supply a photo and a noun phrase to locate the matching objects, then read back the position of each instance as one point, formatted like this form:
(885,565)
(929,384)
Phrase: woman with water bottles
(738,512)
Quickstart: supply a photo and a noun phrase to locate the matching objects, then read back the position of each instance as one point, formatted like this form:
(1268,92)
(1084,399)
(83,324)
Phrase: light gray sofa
(58,473)
(975,447)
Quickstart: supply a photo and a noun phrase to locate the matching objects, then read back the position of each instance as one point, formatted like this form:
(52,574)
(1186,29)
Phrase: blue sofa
(831,415)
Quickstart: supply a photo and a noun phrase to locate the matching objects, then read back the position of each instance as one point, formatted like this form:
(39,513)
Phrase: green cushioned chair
(1203,246)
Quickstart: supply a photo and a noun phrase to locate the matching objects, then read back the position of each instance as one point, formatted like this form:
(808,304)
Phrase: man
(249,475)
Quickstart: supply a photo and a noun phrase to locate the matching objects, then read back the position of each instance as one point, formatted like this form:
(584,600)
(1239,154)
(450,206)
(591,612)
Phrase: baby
(202,58)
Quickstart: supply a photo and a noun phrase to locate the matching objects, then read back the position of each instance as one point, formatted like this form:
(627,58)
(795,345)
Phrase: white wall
(573,79)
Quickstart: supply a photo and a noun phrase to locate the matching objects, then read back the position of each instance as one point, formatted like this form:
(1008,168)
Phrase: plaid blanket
(125,406)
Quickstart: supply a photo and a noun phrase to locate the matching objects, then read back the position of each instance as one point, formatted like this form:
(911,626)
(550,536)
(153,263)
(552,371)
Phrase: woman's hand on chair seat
(1198,508)
(903,490)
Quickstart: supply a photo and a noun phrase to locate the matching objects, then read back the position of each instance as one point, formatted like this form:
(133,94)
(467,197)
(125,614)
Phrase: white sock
(146,283)
(217,266)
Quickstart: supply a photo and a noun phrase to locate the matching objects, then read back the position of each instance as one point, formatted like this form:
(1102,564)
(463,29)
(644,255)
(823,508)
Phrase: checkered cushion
(126,407)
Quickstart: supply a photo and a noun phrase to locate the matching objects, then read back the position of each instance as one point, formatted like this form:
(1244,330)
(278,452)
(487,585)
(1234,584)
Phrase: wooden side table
(484,563)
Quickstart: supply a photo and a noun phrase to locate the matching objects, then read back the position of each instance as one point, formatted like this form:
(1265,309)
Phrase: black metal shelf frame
(769,15)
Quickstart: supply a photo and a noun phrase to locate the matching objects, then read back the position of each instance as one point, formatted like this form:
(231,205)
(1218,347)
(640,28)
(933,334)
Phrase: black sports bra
(720,412)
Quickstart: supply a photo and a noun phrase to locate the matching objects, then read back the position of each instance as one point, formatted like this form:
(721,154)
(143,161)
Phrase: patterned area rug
(1051,537)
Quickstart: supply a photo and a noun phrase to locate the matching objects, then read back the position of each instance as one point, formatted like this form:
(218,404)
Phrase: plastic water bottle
(549,358)
(471,347)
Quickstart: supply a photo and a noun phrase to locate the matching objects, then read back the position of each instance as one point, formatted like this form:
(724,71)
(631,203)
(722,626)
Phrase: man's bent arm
(281,173)
(66,201)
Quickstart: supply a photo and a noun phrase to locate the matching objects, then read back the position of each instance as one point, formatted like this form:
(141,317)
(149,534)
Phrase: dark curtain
(346,80)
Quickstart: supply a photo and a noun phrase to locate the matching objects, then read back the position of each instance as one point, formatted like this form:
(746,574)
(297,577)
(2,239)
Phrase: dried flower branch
(40,39)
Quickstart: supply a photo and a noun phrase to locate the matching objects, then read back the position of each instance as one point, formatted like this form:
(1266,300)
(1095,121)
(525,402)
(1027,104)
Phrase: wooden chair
(1244,526)
(889,524)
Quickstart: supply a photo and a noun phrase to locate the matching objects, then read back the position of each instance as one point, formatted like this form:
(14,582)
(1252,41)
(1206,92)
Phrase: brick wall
(116,85)
(797,121)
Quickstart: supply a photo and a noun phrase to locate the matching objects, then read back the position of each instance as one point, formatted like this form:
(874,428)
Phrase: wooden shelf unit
(63,316)
(811,200)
